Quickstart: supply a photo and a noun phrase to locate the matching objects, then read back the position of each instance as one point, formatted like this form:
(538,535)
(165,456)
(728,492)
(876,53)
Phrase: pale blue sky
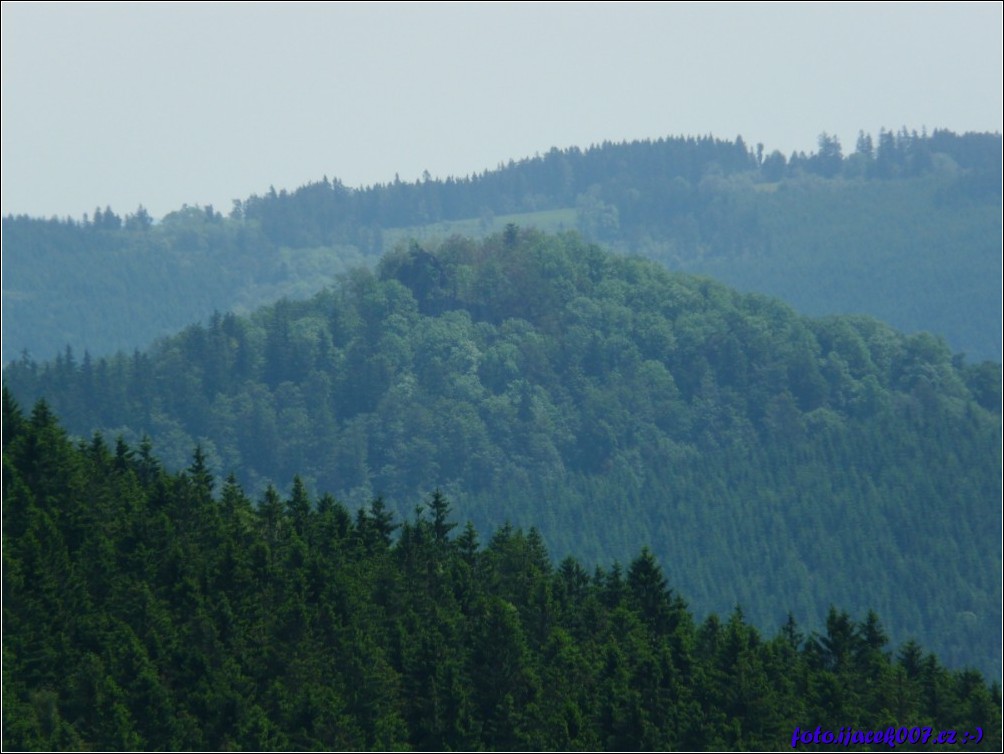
(126,104)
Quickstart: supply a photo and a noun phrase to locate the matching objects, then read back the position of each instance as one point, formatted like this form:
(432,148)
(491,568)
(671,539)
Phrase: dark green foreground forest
(149,610)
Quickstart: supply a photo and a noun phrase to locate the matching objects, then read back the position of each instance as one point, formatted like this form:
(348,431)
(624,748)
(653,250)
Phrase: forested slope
(144,610)
(775,462)
(118,284)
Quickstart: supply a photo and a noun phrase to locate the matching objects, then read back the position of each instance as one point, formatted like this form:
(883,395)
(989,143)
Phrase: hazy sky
(160,105)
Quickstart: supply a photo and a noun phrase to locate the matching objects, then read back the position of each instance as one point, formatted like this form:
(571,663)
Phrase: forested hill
(772,461)
(151,611)
(906,229)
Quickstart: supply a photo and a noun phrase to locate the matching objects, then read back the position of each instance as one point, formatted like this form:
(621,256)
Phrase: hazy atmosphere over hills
(501,377)
(121,105)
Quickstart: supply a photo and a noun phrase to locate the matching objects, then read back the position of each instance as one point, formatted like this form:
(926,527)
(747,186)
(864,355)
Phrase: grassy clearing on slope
(549,221)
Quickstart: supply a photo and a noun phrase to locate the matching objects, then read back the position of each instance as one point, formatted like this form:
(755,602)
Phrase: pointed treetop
(199,470)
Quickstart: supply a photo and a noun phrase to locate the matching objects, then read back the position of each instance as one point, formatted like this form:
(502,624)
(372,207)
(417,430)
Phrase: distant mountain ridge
(906,229)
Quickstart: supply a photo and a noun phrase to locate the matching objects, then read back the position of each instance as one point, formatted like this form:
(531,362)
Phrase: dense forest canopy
(148,610)
(642,440)
(905,228)
(777,462)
